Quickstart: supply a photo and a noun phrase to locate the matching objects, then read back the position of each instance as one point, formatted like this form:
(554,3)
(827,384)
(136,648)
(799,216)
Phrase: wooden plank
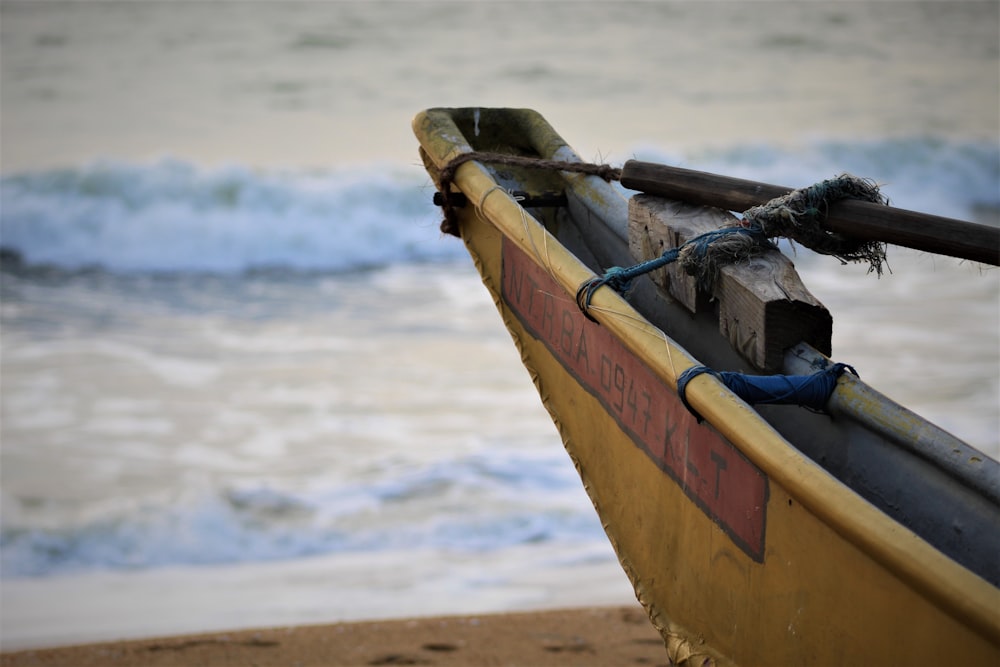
(863,220)
(763,307)
(655,226)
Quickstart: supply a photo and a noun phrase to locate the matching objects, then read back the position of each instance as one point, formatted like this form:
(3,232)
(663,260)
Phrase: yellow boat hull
(741,549)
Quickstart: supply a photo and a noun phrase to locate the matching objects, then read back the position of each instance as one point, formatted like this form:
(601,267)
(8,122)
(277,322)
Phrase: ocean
(247,382)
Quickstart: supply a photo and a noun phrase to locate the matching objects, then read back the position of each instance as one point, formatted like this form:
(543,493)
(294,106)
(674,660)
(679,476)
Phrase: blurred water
(235,349)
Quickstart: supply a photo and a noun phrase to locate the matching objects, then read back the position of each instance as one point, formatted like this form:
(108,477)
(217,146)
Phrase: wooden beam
(763,307)
(863,220)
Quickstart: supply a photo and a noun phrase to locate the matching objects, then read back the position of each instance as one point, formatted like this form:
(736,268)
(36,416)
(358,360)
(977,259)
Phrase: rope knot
(608,173)
(447,176)
(797,216)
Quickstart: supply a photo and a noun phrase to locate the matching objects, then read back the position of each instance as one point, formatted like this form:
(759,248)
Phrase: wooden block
(656,225)
(764,309)
(763,306)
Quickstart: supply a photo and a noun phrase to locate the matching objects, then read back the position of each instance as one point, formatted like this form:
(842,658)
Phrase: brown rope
(450,223)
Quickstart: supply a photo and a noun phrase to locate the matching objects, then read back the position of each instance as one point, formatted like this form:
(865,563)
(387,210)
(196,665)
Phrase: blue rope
(795,215)
(695,251)
(620,280)
(809,391)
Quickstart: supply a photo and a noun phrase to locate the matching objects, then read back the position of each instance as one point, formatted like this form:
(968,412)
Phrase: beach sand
(582,636)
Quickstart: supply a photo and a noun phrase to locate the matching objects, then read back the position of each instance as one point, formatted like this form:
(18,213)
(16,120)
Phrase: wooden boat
(859,534)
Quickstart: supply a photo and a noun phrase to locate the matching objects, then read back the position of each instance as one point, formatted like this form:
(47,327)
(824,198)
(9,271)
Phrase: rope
(797,216)
(450,223)
(809,391)
(702,257)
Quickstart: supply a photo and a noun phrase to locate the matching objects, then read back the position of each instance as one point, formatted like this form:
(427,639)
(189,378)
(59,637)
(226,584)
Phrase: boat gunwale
(906,555)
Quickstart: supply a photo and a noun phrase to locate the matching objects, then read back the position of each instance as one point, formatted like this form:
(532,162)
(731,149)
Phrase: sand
(598,636)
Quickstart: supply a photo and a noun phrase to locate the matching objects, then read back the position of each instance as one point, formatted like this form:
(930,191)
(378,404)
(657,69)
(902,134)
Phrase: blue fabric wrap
(810,391)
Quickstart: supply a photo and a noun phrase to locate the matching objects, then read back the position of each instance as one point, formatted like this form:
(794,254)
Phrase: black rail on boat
(527,200)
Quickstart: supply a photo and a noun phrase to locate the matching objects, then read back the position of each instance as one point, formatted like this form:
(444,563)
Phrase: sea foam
(172,216)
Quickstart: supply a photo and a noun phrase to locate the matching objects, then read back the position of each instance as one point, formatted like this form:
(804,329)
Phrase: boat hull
(741,549)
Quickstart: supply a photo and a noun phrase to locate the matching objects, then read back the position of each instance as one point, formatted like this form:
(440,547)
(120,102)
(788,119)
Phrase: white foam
(172,216)
(476,503)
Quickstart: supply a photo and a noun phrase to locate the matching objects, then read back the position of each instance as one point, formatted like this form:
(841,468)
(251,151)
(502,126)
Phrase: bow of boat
(769,535)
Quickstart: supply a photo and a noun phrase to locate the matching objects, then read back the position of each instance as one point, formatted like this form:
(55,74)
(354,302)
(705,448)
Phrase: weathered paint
(713,473)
